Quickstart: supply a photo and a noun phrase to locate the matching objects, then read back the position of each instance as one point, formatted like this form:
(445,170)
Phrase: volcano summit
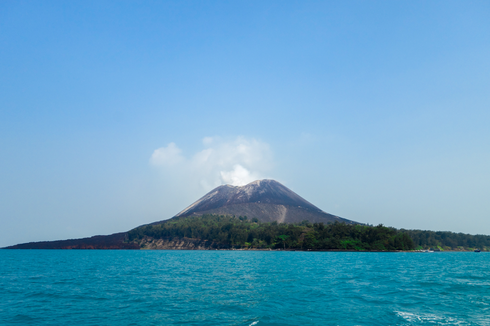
(266,200)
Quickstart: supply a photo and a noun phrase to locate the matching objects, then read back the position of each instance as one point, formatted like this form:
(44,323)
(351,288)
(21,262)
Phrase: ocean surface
(117,287)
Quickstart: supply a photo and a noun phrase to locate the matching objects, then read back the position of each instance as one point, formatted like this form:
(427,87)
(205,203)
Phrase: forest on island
(445,240)
(241,232)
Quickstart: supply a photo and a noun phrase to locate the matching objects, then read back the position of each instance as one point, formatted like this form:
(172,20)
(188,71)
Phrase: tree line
(446,240)
(241,232)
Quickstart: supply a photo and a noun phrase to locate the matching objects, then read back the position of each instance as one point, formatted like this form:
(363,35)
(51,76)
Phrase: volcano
(266,200)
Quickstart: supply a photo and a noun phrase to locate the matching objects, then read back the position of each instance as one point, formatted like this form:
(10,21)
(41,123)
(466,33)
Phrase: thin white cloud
(169,155)
(236,162)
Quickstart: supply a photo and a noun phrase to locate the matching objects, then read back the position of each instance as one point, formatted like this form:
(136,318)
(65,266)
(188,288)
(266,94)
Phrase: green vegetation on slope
(244,233)
(448,240)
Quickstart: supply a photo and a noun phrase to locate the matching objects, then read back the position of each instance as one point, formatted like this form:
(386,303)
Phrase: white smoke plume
(236,162)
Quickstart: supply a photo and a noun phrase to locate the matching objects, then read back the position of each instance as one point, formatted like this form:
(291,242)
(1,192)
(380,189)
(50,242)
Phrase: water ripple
(56,287)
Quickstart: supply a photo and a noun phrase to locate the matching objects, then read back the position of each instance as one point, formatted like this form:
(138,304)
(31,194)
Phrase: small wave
(254,323)
(428,319)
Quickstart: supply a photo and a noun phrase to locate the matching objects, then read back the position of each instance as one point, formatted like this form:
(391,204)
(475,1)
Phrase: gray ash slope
(266,200)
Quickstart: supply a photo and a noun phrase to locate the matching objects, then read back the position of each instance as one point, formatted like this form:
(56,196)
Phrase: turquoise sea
(106,287)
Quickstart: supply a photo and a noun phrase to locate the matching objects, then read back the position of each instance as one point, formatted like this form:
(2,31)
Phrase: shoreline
(255,249)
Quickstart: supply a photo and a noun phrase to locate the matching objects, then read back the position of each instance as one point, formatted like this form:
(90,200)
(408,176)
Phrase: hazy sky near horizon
(118,113)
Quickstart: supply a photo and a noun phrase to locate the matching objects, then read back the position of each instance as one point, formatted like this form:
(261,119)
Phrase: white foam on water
(429,319)
(254,323)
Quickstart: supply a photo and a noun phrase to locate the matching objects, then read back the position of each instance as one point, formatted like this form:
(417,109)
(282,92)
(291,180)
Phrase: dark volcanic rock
(266,200)
(113,241)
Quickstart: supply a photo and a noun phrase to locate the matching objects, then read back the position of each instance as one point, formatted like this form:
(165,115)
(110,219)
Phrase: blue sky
(119,113)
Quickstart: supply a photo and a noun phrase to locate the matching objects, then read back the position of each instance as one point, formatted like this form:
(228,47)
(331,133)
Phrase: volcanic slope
(266,200)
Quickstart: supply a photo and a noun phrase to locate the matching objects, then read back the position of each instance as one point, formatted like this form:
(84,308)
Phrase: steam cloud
(236,162)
